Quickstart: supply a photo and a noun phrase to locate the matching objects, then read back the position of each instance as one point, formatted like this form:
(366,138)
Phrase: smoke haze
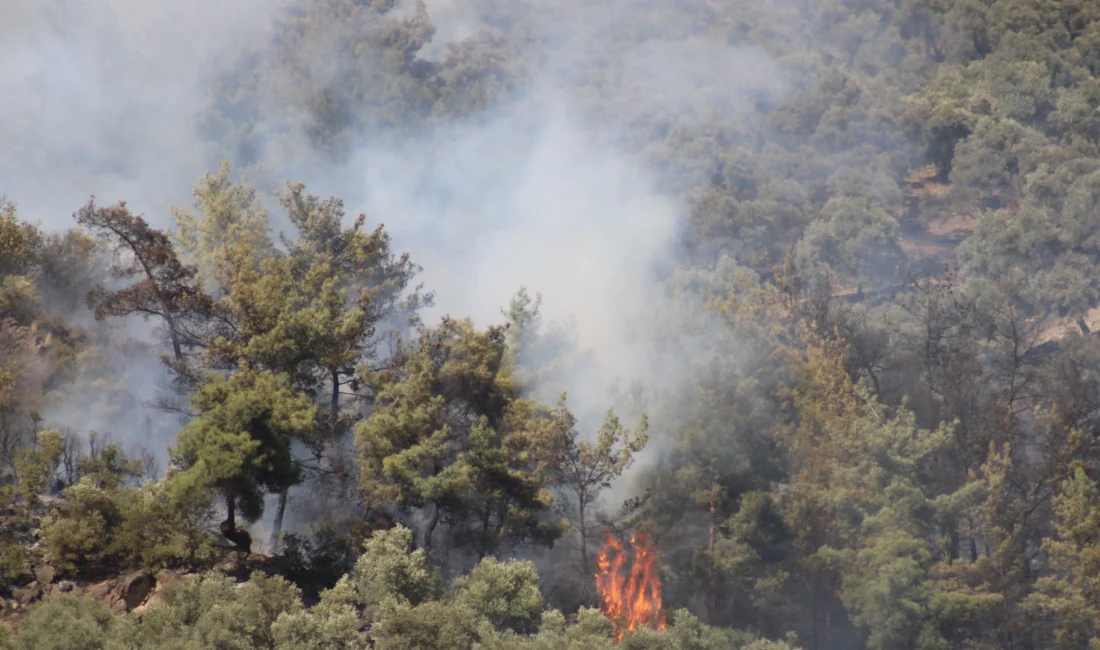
(103,98)
(107,98)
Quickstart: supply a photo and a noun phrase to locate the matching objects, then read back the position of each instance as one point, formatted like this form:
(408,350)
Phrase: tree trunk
(583,527)
(334,406)
(277,525)
(1083,326)
(485,533)
(177,351)
(240,538)
(431,529)
(813,613)
(712,609)
(230,511)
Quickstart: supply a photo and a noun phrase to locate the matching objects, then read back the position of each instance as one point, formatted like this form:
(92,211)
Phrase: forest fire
(631,599)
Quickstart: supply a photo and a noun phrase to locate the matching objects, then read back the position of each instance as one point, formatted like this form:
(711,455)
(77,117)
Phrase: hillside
(656,324)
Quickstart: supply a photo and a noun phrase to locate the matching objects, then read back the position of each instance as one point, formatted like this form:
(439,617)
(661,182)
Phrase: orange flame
(633,600)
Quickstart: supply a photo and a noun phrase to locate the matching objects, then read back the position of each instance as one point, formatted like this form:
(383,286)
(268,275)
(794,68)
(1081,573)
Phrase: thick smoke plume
(102,97)
(105,98)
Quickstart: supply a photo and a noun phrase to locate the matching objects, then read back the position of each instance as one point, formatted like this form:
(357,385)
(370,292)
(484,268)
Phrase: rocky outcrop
(238,536)
(119,595)
(132,592)
(45,574)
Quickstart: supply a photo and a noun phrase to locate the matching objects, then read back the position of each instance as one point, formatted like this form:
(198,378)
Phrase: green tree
(506,594)
(239,444)
(66,622)
(1067,598)
(105,522)
(860,468)
(332,624)
(16,240)
(390,569)
(36,468)
(228,214)
(993,161)
(449,433)
(1051,239)
(586,469)
(211,611)
(164,288)
(313,312)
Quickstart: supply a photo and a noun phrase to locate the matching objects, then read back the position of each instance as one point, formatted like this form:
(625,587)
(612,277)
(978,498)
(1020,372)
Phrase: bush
(99,527)
(66,622)
(13,565)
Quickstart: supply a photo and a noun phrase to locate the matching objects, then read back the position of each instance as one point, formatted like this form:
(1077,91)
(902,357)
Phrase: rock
(236,565)
(45,574)
(238,536)
(66,586)
(118,607)
(28,594)
(100,590)
(136,589)
(167,578)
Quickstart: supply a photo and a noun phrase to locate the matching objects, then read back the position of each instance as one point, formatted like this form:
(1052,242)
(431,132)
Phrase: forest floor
(935,240)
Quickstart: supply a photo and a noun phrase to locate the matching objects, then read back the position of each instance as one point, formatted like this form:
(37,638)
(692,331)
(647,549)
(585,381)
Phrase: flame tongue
(634,599)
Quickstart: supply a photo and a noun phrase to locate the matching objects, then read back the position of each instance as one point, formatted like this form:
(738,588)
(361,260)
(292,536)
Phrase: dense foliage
(886,283)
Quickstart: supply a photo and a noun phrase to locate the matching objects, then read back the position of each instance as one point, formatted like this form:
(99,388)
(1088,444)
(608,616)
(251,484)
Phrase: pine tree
(239,444)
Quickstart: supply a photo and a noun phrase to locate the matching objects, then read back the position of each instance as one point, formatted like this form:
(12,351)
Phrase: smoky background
(555,188)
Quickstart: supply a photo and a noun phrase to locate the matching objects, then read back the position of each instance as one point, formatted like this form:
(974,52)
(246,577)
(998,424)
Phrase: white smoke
(105,98)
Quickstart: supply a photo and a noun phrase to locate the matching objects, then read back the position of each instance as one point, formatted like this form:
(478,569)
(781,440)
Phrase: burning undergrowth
(628,584)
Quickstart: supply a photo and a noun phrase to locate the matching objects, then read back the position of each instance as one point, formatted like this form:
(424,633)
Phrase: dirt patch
(1057,328)
(955,226)
(922,246)
(923,181)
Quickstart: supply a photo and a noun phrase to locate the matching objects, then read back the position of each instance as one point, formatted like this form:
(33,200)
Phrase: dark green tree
(239,444)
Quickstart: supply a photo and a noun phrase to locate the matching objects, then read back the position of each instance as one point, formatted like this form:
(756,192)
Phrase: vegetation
(884,434)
